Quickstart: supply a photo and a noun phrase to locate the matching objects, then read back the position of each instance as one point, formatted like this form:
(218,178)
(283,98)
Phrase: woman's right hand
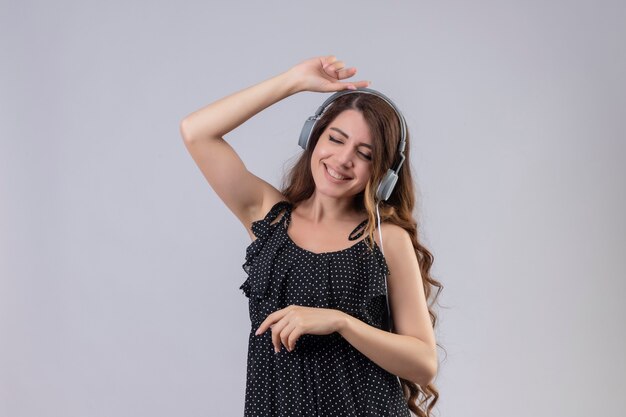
(322,74)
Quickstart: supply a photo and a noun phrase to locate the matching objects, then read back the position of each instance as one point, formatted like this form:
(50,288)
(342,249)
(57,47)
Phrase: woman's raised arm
(245,194)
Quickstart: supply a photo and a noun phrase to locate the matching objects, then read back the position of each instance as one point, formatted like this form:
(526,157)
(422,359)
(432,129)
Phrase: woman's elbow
(426,377)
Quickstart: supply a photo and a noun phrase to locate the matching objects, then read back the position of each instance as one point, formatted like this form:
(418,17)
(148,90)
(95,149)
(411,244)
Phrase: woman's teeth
(334,174)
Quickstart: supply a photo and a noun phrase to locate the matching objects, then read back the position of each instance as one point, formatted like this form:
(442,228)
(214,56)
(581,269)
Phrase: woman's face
(344,148)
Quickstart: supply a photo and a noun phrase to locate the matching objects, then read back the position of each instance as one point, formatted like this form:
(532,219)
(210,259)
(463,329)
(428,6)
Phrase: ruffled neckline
(335,252)
(286,220)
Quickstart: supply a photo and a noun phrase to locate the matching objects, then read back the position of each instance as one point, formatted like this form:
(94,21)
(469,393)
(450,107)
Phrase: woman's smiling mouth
(335,176)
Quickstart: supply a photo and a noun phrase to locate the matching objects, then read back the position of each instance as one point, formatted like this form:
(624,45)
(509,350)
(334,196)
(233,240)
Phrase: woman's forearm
(402,355)
(225,114)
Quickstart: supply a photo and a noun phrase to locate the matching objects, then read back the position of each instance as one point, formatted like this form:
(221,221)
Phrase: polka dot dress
(324,375)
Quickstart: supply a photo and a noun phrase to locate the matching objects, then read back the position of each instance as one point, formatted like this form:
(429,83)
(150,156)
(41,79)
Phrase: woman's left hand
(289,323)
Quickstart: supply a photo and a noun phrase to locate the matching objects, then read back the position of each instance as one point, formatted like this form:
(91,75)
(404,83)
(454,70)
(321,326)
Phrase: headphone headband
(363,90)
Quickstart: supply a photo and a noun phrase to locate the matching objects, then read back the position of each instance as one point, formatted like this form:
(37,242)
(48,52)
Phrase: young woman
(341,325)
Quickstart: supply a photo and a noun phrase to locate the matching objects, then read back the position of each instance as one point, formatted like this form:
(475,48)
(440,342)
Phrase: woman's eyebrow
(348,137)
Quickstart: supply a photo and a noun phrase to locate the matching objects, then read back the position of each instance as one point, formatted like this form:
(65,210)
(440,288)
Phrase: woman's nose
(344,157)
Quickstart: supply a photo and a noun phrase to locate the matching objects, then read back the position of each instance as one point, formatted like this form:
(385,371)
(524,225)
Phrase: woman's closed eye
(366,156)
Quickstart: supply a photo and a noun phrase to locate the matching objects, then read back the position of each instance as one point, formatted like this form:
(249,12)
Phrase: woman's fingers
(293,338)
(350,85)
(341,73)
(328,60)
(265,325)
(323,74)
(360,84)
(285,335)
(284,332)
(345,73)
(338,70)
(277,329)
(290,323)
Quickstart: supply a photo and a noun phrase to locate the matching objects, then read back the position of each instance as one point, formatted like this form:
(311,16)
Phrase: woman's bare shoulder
(391,231)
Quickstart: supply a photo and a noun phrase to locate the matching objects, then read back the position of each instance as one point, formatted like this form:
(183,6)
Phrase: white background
(120,267)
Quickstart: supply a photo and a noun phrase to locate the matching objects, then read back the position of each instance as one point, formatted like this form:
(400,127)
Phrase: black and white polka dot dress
(324,375)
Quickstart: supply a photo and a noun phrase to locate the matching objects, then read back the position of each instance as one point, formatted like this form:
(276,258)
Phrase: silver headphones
(388,182)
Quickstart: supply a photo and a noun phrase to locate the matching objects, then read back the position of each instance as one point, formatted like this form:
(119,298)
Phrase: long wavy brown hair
(384,125)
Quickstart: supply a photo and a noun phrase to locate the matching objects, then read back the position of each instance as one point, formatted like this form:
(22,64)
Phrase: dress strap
(276,210)
(358,230)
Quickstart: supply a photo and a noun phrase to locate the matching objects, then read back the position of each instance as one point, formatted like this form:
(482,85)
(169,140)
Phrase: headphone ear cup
(305,134)
(386,186)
